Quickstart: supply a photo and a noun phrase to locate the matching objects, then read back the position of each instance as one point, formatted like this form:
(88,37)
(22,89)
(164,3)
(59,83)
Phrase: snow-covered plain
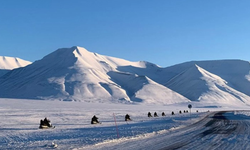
(20,120)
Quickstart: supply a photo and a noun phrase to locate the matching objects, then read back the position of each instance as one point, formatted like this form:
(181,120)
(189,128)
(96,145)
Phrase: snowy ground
(20,120)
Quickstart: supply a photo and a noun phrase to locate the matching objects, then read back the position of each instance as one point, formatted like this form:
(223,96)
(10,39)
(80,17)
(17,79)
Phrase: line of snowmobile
(46,124)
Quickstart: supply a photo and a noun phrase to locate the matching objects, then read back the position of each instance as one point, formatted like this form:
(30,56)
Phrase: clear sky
(164,32)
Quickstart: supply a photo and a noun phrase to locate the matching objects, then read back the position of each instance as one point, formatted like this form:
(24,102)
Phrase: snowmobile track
(216,128)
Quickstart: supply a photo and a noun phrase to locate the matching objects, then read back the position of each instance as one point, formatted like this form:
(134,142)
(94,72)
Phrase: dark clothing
(172,113)
(163,114)
(149,114)
(41,122)
(127,118)
(45,122)
(155,114)
(94,120)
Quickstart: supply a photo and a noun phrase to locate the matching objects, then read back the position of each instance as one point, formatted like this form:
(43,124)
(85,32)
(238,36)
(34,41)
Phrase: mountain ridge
(76,74)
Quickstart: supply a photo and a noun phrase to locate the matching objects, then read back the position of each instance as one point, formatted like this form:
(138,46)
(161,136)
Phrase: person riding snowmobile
(127,117)
(94,120)
(155,114)
(149,114)
(45,123)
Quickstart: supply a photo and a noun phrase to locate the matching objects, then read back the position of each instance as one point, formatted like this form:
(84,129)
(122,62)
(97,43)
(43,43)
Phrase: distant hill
(198,84)
(9,63)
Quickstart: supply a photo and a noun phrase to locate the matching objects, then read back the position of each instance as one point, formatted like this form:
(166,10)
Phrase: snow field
(21,118)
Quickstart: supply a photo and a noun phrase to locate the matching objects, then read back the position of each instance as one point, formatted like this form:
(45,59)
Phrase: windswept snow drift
(75,74)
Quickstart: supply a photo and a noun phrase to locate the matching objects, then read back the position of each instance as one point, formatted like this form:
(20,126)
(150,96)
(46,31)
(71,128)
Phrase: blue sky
(164,32)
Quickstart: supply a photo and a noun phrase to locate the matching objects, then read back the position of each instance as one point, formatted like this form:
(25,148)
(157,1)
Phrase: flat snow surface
(20,120)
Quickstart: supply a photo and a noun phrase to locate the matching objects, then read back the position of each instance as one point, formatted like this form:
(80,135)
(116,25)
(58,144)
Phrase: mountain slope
(77,74)
(206,87)
(143,89)
(235,72)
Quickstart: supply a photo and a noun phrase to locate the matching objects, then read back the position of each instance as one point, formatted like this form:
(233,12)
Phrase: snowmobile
(45,124)
(172,113)
(127,118)
(46,127)
(94,120)
(149,114)
(155,114)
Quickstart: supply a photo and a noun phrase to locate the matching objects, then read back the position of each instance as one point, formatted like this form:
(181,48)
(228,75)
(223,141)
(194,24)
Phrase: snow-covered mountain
(198,84)
(9,63)
(235,72)
(77,74)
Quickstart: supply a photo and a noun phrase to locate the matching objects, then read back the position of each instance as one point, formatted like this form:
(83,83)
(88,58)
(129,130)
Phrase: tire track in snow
(220,133)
